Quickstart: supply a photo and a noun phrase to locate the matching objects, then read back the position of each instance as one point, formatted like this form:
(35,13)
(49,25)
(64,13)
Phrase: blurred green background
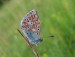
(57,18)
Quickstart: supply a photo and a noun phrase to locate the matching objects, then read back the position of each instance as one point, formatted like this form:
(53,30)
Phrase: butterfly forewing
(30,25)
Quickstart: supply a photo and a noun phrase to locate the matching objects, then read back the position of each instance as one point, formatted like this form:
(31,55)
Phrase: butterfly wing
(31,27)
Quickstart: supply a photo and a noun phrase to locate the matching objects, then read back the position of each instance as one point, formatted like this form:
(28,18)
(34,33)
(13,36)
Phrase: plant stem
(31,46)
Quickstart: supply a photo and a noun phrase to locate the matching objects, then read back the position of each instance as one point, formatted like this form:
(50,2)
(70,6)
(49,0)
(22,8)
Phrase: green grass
(57,18)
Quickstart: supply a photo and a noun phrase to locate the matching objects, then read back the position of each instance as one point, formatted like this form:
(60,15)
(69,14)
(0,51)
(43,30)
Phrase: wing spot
(38,29)
(23,26)
(27,33)
(37,33)
(29,18)
(28,21)
(32,11)
(24,22)
(31,23)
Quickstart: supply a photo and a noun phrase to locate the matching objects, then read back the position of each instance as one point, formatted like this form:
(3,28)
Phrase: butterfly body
(30,26)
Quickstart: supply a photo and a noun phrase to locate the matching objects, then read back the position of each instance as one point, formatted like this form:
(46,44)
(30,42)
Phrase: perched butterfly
(30,26)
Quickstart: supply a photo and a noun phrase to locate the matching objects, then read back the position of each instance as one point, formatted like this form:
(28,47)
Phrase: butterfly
(30,25)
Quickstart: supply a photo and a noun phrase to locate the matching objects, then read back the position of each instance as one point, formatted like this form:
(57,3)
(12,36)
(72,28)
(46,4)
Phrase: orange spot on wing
(24,22)
(23,27)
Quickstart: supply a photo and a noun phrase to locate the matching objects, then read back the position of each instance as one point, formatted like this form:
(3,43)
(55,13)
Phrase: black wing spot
(27,33)
(37,33)
(38,29)
(32,11)
(31,23)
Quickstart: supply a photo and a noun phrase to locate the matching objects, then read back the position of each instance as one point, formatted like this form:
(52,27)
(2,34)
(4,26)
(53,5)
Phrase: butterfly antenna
(48,36)
(51,36)
(27,41)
